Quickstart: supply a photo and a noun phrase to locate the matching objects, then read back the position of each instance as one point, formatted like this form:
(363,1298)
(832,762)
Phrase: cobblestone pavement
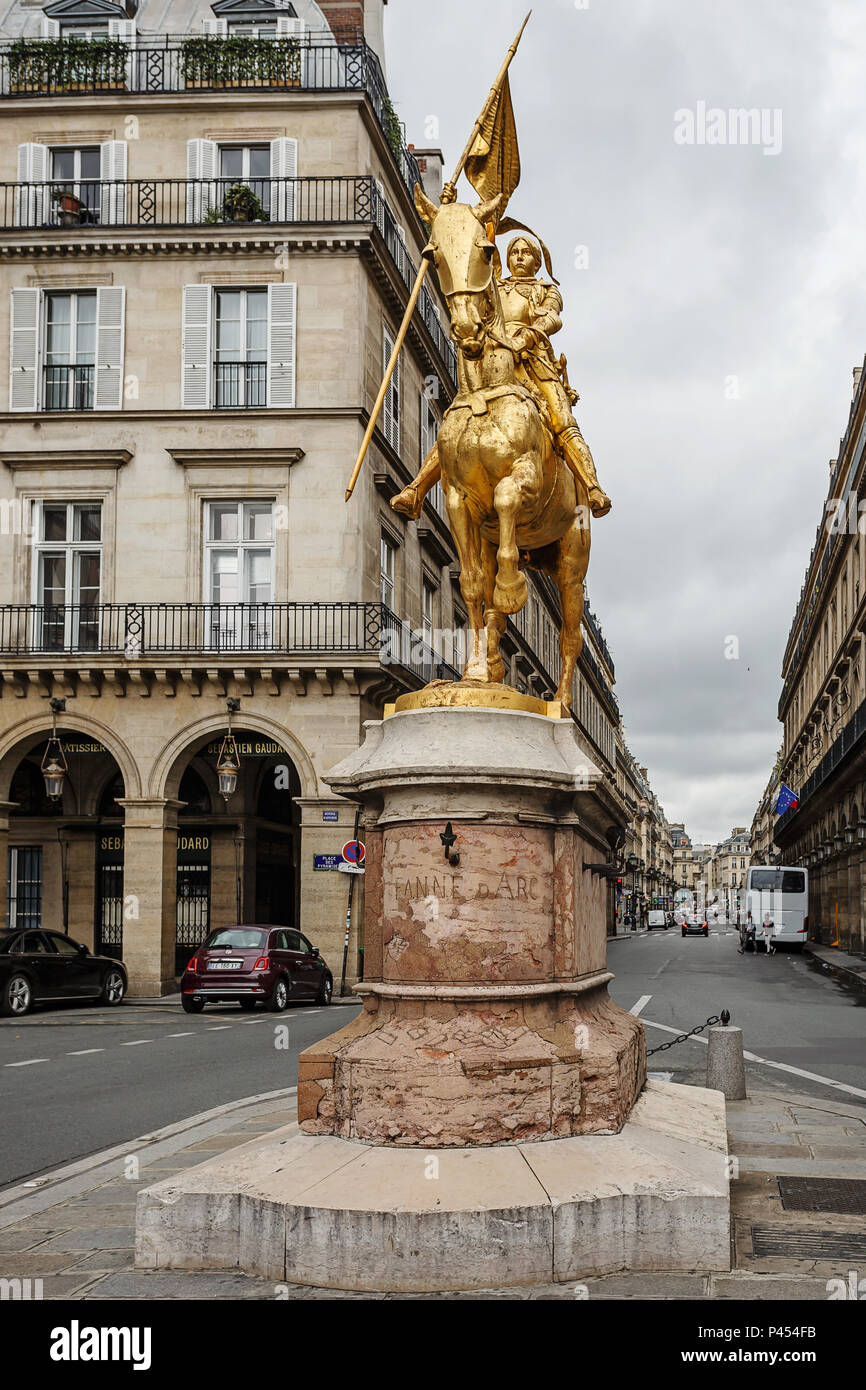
(74,1230)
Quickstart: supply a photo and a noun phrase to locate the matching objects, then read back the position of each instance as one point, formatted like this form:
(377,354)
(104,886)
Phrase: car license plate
(224,964)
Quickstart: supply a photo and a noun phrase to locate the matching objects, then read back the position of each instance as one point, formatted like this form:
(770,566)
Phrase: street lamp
(54,766)
(849,834)
(229,763)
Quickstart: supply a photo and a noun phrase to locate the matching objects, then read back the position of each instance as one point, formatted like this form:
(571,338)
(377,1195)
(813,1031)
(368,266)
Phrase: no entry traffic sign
(354,851)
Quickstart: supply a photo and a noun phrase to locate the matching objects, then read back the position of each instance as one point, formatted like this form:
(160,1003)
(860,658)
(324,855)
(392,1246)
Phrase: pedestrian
(767,931)
(747,933)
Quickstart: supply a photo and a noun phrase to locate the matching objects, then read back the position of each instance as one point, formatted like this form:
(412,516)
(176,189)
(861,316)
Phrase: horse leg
(509,496)
(572,562)
(495,621)
(467,539)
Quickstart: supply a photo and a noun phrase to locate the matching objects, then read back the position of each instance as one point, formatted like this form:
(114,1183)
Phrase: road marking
(180,1035)
(139,1042)
(218,1028)
(85,1051)
(766,1062)
(30,1063)
(641,1004)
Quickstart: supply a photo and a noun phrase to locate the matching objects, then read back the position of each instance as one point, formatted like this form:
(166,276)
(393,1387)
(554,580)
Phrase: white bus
(780,895)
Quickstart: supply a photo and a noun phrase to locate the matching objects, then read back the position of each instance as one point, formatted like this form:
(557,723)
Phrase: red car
(245,964)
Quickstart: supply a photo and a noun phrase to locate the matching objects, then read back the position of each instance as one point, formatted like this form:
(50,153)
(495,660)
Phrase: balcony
(848,741)
(39,68)
(160,633)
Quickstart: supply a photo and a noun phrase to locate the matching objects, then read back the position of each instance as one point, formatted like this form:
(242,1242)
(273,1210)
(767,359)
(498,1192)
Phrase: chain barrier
(663,1047)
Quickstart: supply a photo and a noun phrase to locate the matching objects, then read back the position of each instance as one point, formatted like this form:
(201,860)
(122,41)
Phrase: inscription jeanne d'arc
(511,887)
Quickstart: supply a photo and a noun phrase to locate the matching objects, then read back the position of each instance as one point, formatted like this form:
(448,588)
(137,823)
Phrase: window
(429,431)
(62,945)
(391,409)
(428,601)
(387,554)
(70,350)
(241,348)
(238,347)
(247,164)
(239,573)
(68,573)
(24,887)
(77,170)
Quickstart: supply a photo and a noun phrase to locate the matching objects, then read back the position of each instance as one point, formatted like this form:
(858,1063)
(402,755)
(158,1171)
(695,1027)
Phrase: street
(791,1012)
(77,1080)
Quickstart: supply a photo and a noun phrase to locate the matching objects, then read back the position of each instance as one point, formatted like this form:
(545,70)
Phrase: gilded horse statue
(512,501)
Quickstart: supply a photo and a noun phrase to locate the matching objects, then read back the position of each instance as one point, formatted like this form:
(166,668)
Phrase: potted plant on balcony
(241,205)
(239,61)
(68,206)
(67,65)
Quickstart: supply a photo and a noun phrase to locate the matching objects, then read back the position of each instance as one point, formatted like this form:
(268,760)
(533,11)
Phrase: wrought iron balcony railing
(33,68)
(154,203)
(141,631)
(69,387)
(850,738)
(238,384)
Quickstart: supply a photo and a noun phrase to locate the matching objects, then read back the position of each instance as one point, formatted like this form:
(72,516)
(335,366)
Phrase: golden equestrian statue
(518,478)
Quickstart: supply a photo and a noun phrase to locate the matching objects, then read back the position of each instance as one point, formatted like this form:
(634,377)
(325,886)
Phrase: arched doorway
(55,857)
(238,861)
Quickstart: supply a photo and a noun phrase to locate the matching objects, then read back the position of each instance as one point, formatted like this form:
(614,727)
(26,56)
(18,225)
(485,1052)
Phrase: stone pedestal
(486,1015)
(486,1119)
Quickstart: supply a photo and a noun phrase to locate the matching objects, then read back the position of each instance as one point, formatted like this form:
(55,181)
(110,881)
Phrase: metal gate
(108,934)
(24,887)
(193,895)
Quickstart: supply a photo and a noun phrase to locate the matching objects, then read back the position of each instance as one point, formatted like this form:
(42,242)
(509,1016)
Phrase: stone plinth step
(335,1213)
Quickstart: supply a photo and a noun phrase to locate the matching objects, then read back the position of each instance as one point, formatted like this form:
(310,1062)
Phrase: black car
(41,967)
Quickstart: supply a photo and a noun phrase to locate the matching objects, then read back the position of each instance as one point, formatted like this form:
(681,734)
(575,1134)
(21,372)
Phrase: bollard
(725,1067)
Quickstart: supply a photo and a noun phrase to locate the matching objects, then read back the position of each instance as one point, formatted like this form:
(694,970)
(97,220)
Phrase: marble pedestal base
(332,1213)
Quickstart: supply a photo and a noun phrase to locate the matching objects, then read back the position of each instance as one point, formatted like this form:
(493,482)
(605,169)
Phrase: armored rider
(532,309)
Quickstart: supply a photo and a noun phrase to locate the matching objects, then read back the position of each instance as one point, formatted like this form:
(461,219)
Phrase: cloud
(711,336)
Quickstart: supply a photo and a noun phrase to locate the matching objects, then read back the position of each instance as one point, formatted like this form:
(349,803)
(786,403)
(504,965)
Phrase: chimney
(345,17)
(431,164)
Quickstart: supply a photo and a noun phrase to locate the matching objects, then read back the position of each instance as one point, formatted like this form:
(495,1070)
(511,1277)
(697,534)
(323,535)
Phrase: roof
(23,18)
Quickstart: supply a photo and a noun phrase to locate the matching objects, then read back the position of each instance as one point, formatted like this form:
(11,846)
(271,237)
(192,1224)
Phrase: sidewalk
(75,1229)
(850,969)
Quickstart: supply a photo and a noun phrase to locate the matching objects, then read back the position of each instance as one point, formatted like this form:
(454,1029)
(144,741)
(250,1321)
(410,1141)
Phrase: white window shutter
(24,350)
(282,339)
(289,28)
(50,28)
(112,173)
(284,165)
(32,205)
(219,27)
(110,303)
(391,407)
(125,30)
(202,157)
(379,217)
(196,347)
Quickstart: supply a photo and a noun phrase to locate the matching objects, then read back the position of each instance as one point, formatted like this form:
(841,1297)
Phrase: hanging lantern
(229,763)
(54,767)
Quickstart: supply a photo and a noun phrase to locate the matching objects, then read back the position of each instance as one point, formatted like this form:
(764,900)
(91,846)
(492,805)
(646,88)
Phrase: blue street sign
(330,815)
(327,861)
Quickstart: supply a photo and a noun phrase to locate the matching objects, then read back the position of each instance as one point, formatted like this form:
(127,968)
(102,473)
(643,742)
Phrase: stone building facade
(823,703)
(647,878)
(727,869)
(207,241)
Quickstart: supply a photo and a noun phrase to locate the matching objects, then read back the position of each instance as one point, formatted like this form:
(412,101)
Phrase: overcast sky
(711,336)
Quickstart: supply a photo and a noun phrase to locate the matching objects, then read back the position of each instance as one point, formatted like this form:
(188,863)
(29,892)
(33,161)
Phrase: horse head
(462,253)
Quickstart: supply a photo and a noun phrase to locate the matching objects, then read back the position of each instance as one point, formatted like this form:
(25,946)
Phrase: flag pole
(422,271)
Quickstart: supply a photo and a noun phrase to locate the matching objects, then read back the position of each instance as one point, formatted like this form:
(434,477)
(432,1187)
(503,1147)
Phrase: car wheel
(326,990)
(113,988)
(17,998)
(191,1006)
(247,1005)
(279,999)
